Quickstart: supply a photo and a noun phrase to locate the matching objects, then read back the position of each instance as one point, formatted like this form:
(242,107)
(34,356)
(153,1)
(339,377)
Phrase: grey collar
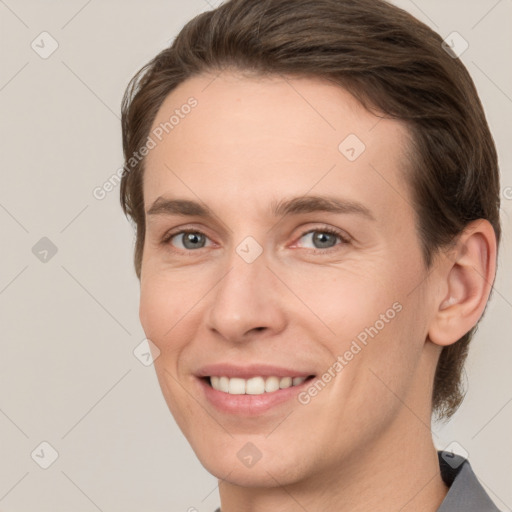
(465,493)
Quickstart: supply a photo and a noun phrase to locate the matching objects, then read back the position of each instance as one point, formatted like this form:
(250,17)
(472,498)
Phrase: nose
(246,301)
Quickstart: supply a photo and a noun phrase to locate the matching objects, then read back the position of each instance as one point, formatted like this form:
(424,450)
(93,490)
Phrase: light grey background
(69,325)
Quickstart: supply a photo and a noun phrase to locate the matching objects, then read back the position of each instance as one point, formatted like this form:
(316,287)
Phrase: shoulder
(466,492)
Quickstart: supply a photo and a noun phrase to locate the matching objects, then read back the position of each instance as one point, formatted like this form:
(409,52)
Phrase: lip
(250,405)
(253,370)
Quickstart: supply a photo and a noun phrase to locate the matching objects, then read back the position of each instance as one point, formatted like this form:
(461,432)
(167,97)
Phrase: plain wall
(69,325)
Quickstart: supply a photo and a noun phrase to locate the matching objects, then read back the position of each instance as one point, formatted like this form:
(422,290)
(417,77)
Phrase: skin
(364,442)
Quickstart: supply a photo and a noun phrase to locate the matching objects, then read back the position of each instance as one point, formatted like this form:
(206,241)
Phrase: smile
(253,386)
(251,397)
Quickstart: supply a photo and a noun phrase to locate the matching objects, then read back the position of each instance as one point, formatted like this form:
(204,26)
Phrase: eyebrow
(293,206)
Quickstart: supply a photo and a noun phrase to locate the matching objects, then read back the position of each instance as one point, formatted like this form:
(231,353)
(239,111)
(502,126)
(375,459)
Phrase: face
(281,241)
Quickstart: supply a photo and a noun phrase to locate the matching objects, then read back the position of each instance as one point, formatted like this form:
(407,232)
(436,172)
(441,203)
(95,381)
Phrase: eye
(186,240)
(324,238)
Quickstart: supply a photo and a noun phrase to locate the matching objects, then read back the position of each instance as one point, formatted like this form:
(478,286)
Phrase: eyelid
(342,235)
(166,239)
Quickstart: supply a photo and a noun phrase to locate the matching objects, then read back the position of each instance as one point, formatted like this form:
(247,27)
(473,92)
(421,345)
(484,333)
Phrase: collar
(465,493)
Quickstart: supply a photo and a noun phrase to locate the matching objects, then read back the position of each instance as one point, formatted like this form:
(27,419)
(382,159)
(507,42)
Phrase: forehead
(260,136)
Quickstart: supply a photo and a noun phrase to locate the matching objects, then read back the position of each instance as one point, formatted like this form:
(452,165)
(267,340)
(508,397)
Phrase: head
(353,101)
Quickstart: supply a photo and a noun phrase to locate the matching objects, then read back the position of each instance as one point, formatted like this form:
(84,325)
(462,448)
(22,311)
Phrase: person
(315,192)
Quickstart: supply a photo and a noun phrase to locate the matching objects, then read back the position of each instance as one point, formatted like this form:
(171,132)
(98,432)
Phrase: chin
(267,471)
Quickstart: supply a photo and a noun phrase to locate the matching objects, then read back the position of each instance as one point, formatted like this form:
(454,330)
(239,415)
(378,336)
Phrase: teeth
(271,384)
(253,386)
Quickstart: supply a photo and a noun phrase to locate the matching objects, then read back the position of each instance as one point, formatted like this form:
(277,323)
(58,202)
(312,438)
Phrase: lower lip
(250,405)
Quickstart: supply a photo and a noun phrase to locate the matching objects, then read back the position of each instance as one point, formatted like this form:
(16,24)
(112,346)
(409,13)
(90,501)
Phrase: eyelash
(331,231)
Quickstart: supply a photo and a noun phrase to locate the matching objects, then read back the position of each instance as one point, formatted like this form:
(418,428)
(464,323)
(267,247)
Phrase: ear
(467,275)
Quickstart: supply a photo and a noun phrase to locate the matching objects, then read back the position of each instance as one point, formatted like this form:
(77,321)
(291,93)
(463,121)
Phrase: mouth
(253,397)
(258,385)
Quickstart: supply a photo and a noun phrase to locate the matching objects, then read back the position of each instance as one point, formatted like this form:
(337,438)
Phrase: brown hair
(390,62)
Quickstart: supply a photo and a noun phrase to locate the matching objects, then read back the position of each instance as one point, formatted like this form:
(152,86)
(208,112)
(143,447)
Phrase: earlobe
(468,273)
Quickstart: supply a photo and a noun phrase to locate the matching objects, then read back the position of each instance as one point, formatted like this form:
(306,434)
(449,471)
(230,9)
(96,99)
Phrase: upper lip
(248,371)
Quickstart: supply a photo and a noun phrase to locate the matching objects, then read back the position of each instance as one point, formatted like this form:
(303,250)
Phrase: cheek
(160,308)
(389,341)
(373,323)
(149,311)
(163,315)
(347,301)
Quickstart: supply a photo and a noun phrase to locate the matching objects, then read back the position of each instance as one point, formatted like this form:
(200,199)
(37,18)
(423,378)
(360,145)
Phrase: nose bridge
(244,299)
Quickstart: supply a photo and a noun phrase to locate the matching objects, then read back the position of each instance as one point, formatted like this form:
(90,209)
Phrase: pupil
(192,238)
(322,239)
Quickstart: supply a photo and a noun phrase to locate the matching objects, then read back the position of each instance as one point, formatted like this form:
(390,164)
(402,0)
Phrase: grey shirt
(465,493)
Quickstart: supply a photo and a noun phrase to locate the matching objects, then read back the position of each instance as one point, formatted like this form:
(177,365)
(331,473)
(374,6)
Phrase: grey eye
(189,240)
(321,239)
